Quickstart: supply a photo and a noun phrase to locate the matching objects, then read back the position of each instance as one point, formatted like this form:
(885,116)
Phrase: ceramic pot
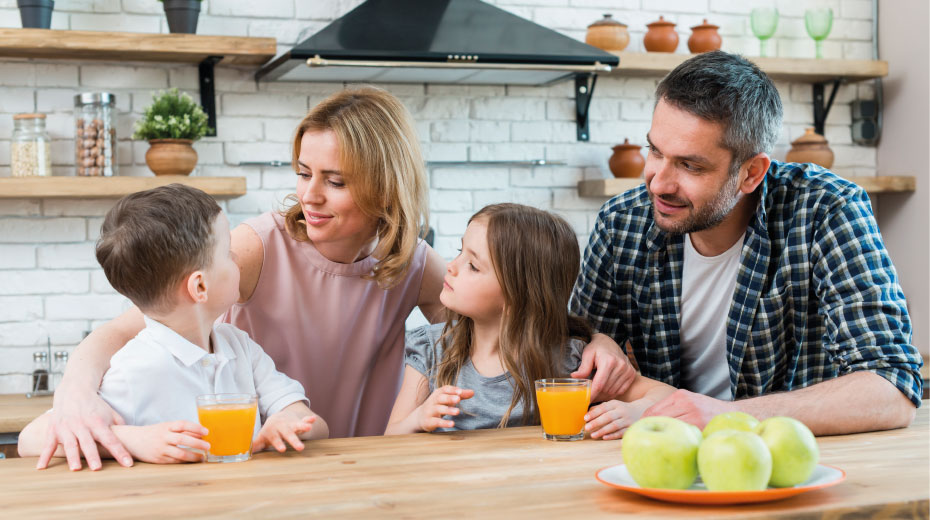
(626,160)
(171,156)
(661,36)
(607,34)
(704,38)
(810,148)
(182,15)
(35,14)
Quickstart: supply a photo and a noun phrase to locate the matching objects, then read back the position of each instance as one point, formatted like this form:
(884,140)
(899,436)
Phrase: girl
(507,324)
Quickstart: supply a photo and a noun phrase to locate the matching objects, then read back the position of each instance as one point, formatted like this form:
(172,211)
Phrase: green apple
(731,460)
(793,448)
(661,452)
(731,421)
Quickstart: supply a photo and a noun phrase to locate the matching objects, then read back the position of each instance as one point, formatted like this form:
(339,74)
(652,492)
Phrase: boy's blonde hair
(383,168)
(535,257)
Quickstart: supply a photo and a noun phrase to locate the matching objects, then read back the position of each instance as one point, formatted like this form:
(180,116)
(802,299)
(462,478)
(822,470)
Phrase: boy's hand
(441,402)
(285,425)
(161,443)
(611,419)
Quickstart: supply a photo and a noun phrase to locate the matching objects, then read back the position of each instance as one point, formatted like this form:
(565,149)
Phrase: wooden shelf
(872,185)
(122,46)
(805,70)
(111,187)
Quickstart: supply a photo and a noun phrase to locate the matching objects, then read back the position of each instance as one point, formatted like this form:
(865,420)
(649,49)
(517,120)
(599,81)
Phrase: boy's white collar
(186,352)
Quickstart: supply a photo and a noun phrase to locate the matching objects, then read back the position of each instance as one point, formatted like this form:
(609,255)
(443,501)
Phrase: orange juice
(230,427)
(562,408)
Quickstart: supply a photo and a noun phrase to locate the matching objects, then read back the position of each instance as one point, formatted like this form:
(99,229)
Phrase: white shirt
(157,376)
(707,285)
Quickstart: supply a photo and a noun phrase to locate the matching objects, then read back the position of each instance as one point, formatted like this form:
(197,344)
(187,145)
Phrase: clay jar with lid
(704,38)
(810,148)
(607,34)
(661,36)
(626,161)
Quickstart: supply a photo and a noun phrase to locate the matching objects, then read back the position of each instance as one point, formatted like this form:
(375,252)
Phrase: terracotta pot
(704,38)
(810,148)
(661,36)
(626,160)
(607,34)
(171,156)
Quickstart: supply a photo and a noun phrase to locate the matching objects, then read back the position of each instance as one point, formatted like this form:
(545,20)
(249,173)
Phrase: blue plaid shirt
(816,294)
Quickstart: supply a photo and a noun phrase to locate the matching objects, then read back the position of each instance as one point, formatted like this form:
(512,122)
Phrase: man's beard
(707,217)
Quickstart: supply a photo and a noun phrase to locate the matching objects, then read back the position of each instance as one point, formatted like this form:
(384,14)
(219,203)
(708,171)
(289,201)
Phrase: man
(750,284)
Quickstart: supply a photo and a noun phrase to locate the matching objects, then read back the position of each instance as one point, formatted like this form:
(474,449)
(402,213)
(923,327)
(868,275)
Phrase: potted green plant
(171,124)
(182,15)
(36,14)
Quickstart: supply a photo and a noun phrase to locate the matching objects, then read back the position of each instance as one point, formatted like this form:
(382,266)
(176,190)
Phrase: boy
(167,250)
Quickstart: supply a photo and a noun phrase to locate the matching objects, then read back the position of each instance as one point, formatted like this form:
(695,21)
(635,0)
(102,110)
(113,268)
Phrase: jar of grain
(30,148)
(95,134)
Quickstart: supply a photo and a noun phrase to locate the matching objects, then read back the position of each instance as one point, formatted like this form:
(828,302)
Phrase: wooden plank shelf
(872,185)
(111,187)
(123,46)
(803,70)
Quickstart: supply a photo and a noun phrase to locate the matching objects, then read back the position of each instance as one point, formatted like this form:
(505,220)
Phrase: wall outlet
(865,122)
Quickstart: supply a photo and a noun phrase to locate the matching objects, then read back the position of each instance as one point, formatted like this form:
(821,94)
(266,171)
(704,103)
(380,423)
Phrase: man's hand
(165,443)
(690,407)
(285,425)
(78,421)
(614,373)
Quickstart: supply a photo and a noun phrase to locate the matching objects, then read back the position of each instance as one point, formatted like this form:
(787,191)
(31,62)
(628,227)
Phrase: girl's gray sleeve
(572,358)
(418,350)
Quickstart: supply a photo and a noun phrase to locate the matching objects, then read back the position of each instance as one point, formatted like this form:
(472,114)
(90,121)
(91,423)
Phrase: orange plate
(618,477)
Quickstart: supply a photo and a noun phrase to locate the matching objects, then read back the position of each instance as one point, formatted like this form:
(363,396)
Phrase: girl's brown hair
(383,168)
(536,258)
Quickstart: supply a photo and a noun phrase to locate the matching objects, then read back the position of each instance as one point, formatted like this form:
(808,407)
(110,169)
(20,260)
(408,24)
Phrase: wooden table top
(488,473)
(17,410)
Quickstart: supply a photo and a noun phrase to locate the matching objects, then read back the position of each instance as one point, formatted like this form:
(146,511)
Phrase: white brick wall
(50,285)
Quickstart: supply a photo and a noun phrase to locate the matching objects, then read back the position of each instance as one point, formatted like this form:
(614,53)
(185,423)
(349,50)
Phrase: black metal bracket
(820,109)
(207,92)
(584,89)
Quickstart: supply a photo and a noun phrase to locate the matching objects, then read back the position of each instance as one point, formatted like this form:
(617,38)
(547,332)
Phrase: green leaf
(172,115)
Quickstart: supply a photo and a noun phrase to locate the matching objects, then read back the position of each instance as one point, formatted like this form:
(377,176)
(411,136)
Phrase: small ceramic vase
(810,148)
(661,36)
(626,160)
(704,38)
(607,34)
(171,156)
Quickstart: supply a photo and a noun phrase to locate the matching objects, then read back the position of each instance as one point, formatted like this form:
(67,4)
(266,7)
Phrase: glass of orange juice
(230,421)
(562,404)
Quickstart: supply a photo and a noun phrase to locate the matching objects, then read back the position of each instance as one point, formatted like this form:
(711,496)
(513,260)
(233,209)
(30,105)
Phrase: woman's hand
(285,425)
(162,443)
(78,421)
(440,403)
(613,372)
(611,419)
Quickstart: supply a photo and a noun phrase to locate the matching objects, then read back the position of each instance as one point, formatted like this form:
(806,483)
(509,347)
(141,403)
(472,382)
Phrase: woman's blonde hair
(383,168)
(535,257)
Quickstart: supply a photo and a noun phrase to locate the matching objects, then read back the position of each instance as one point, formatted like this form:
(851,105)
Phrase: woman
(325,286)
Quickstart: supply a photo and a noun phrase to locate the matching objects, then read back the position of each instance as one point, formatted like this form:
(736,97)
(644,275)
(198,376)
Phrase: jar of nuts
(30,148)
(95,134)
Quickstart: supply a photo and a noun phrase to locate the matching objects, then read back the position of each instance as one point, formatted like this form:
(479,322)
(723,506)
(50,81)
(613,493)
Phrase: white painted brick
(240,129)
(447,247)
(144,7)
(6,127)
(18,75)
(509,109)
(537,198)
(5,152)
(249,8)
(636,110)
(286,32)
(853,30)
(87,307)
(545,177)
(185,78)
(488,131)
(613,133)
(116,22)
(38,333)
(445,151)
(279,179)
(449,131)
(110,77)
(99,283)
(568,199)
(20,207)
(529,132)
(76,207)
(60,126)
(838,134)
(17,257)
(579,154)
(208,152)
(54,75)
(92,6)
(253,175)
(26,230)
(14,383)
(619,5)
(560,110)
(240,152)
(218,26)
(267,105)
(860,9)
(564,89)
(857,50)
(14,100)
(450,200)
(20,308)
(280,130)
(465,90)
(736,6)
(63,154)
(854,156)
(68,256)
(505,152)
(43,282)
(796,9)
(234,80)
(637,88)
(566,18)
(255,202)
(453,224)
(578,220)
(93,228)
(322,9)
(438,108)
(469,178)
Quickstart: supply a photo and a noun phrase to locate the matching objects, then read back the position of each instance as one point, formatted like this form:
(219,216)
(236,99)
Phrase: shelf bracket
(820,109)
(583,92)
(207,92)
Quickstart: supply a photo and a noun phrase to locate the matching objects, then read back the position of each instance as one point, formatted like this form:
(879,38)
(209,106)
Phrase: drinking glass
(562,404)
(818,22)
(230,421)
(763,21)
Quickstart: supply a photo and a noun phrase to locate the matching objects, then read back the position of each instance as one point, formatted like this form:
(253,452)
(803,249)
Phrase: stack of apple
(735,452)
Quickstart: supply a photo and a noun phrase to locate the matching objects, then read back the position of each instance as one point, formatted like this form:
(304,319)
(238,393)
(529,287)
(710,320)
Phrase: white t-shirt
(707,285)
(157,375)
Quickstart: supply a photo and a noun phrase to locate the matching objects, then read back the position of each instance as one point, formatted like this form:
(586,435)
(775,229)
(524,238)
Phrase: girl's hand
(162,443)
(441,402)
(285,425)
(610,420)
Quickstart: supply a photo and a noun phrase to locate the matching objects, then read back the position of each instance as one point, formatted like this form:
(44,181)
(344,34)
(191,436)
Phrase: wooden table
(490,473)
(17,410)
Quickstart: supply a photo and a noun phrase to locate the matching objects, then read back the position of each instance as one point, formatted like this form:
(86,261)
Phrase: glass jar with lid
(30,148)
(95,134)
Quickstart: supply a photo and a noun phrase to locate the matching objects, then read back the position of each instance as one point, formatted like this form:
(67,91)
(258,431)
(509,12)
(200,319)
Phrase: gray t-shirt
(492,394)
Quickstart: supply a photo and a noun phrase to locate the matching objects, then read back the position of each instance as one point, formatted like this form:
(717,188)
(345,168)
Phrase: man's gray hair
(728,89)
